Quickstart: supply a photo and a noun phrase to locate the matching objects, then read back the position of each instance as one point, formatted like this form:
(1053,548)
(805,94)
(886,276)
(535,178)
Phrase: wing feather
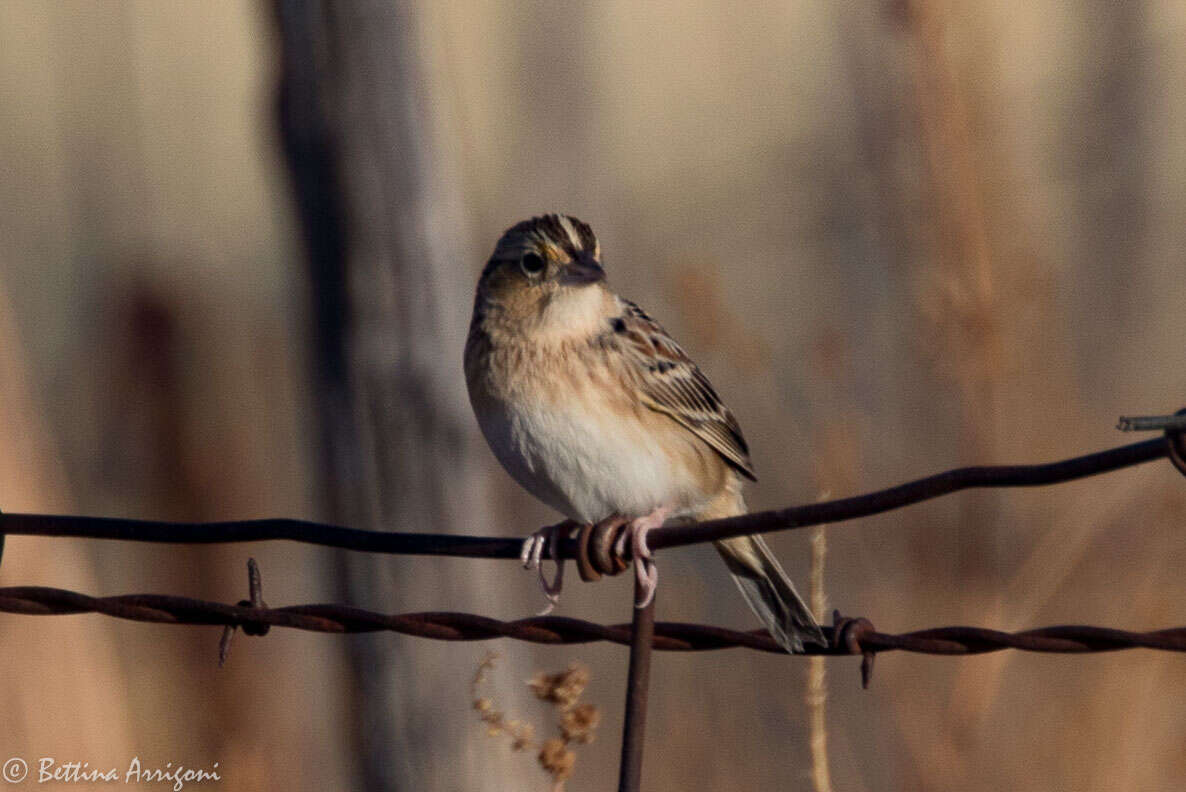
(670,383)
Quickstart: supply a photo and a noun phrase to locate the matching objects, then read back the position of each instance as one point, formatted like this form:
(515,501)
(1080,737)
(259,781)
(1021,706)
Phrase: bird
(593,408)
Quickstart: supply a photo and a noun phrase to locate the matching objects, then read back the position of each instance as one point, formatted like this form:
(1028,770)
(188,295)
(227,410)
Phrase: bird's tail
(767,588)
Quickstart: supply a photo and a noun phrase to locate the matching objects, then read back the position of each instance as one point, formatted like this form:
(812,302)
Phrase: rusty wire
(847,637)
(818,513)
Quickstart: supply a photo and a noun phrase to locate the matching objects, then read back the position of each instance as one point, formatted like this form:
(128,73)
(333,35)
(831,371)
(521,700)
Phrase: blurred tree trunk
(378,216)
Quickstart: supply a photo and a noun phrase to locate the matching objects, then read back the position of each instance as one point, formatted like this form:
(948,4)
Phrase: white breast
(582,460)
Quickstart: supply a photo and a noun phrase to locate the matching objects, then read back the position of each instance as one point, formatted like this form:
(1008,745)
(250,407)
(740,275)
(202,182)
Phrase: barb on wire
(817,513)
(1153,423)
(1174,427)
(255,591)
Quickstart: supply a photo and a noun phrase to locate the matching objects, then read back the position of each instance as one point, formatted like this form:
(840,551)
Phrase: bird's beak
(582,271)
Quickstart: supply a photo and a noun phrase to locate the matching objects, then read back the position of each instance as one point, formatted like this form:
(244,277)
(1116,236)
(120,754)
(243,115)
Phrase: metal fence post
(634,727)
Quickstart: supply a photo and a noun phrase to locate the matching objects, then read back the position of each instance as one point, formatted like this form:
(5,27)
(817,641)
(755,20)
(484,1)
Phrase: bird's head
(546,270)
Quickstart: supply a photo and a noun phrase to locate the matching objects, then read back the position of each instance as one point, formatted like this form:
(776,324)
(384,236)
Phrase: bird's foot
(646,574)
(532,557)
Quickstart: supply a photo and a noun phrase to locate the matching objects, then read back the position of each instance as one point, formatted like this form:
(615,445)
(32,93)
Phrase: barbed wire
(855,636)
(845,636)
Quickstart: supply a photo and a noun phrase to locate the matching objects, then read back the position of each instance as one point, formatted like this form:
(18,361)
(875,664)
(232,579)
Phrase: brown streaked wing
(673,385)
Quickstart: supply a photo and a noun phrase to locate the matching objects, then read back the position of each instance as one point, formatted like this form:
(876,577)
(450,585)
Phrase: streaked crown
(563,234)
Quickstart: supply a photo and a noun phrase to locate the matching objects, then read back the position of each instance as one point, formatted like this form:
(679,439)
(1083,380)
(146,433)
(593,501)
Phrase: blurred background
(238,245)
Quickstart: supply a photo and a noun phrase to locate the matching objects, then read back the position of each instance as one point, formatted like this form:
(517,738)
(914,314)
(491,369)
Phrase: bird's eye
(532,263)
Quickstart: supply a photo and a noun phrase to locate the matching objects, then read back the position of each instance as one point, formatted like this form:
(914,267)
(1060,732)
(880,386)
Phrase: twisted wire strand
(847,637)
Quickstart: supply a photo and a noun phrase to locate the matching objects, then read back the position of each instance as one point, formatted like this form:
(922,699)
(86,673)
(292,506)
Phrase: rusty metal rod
(635,720)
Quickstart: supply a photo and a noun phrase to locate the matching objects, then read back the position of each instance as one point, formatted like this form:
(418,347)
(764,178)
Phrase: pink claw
(646,574)
(532,558)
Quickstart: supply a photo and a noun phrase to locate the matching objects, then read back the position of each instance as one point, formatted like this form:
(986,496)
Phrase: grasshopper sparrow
(592,407)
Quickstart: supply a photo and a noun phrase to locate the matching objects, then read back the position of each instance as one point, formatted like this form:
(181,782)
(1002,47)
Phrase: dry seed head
(522,734)
(557,759)
(579,723)
(563,689)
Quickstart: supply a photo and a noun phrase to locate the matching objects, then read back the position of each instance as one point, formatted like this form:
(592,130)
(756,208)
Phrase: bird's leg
(532,557)
(645,570)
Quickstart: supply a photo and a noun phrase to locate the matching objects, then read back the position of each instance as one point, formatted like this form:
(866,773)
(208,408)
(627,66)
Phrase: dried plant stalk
(817,693)
(577,723)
